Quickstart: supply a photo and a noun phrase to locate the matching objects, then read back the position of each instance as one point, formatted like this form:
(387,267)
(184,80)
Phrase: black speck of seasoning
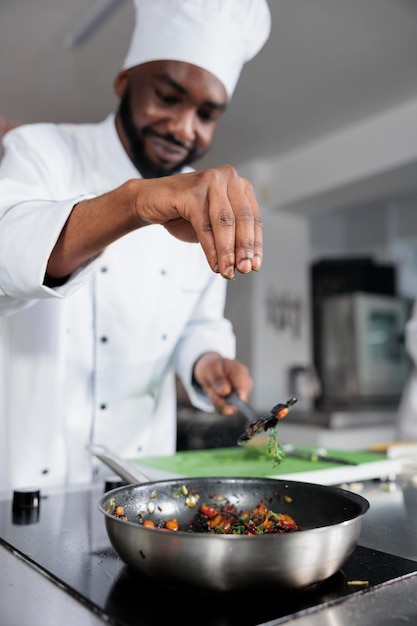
(103,406)
(103,339)
(45,471)
(163,272)
(103,269)
(164,337)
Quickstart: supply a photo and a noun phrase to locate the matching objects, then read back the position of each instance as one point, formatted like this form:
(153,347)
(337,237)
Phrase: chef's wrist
(194,380)
(50,281)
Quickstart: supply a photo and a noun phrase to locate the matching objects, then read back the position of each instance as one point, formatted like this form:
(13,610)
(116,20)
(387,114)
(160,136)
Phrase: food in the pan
(223,519)
(228,520)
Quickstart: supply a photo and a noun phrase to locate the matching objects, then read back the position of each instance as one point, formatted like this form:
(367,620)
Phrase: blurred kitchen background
(324,123)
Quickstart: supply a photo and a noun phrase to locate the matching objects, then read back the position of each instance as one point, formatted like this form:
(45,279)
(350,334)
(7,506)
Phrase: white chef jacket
(91,361)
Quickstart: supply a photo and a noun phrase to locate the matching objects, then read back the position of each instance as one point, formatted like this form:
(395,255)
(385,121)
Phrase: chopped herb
(275,449)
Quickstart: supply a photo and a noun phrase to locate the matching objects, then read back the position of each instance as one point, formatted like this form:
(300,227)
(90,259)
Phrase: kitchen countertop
(31,597)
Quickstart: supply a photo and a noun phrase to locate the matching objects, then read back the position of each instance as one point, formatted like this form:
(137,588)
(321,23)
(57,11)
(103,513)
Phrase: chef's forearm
(92,225)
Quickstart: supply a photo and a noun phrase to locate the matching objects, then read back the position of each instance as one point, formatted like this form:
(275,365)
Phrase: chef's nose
(183,127)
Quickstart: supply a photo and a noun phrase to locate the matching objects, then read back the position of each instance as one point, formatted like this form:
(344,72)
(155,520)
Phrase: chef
(115,253)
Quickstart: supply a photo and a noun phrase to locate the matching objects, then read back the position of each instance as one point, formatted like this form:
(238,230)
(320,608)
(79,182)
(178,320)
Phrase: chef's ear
(120,83)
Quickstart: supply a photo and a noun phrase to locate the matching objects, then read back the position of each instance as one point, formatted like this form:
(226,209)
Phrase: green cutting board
(255,461)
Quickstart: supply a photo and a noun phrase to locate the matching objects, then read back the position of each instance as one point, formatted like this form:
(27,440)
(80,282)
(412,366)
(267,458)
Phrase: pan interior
(311,506)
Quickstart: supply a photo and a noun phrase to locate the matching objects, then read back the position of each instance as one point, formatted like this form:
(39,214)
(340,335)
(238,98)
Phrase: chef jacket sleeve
(31,219)
(23,258)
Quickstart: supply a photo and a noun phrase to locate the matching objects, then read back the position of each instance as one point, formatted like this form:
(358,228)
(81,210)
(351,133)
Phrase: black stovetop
(68,540)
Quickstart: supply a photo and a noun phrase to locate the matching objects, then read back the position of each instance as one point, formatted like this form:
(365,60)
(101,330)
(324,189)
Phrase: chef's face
(168,114)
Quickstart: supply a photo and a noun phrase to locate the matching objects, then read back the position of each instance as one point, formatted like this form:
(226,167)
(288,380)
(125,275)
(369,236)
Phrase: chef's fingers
(215,207)
(248,226)
(218,376)
(231,233)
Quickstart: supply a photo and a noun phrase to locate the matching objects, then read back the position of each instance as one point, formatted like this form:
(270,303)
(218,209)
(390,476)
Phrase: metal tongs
(257,424)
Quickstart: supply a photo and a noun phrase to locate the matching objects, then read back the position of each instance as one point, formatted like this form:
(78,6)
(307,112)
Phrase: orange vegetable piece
(149,523)
(172,524)
(209,510)
(216,521)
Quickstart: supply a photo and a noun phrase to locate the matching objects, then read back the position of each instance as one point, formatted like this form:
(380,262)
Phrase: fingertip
(245,266)
(229,273)
(256,263)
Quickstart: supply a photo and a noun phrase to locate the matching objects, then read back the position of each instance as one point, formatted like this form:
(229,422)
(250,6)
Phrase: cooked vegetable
(171,524)
(278,412)
(228,520)
(222,519)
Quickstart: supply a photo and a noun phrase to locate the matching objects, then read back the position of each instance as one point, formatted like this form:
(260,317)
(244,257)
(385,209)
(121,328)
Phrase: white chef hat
(218,35)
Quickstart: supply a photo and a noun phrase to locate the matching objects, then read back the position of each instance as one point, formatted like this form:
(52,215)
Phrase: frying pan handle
(129,472)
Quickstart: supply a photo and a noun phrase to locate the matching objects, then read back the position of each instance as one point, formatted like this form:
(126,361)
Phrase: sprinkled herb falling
(278,412)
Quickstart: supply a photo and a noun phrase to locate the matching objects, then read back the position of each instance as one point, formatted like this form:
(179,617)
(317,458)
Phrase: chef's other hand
(219,376)
(214,207)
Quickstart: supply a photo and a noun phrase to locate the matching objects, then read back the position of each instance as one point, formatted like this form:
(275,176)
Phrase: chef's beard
(146,167)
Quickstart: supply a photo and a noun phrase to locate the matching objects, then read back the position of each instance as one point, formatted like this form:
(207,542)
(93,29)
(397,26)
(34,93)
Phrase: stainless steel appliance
(363,357)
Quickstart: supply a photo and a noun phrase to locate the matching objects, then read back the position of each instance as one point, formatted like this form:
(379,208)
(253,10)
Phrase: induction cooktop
(66,539)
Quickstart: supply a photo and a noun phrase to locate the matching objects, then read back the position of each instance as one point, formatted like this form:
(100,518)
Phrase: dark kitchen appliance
(342,275)
(69,544)
(363,357)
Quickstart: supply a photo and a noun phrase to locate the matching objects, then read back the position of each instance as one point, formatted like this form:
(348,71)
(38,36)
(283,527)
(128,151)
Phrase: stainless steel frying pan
(329,519)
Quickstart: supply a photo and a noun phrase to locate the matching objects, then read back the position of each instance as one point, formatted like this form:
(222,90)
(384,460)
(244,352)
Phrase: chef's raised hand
(214,207)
